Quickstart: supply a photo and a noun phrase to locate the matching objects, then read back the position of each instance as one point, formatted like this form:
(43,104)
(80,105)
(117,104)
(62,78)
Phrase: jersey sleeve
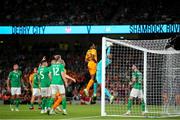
(62,69)
(134,75)
(87,55)
(140,76)
(31,78)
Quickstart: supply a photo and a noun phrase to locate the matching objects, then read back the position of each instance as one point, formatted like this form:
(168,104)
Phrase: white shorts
(57,88)
(136,93)
(36,92)
(15,90)
(45,92)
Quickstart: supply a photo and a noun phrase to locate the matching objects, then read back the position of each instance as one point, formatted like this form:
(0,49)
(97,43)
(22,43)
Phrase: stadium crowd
(67,12)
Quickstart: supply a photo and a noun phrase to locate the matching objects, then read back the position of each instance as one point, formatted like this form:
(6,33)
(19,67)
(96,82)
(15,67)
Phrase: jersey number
(56,71)
(41,75)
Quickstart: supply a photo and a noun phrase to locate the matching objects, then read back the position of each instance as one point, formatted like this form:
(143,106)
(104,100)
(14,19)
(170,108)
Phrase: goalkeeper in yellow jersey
(91,59)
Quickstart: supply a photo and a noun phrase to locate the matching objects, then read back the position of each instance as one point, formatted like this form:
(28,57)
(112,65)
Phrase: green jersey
(137,75)
(55,71)
(15,78)
(35,81)
(43,73)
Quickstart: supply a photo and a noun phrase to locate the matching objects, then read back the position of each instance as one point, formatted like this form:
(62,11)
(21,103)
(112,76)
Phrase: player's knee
(92,77)
(62,95)
(53,95)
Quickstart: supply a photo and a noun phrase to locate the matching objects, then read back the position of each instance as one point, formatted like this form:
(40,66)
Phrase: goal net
(160,68)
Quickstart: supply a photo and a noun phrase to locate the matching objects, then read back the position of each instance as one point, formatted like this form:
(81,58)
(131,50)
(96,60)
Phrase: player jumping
(136,90)
(99,74)
(91,59)
(14,86)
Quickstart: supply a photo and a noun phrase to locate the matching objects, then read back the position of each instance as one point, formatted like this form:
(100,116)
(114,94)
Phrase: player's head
(134,67)
(92,46)
(61,61)
(15,67)
(35,70)
(53,61)
(44,63)
(57,57)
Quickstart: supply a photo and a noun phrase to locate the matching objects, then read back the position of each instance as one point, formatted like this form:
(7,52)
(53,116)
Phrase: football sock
(90,83)
(57,102)
(129,104)
(95,89)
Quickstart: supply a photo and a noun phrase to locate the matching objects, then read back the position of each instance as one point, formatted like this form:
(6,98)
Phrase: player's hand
(57,57)
(44,58)
(66,84)
(74,80)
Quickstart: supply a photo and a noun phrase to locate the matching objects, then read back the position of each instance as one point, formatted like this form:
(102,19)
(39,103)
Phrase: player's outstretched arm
(44,58)
(63,74)
(70,78)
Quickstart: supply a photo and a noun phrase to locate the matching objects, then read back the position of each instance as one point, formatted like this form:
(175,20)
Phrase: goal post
(103,113)
(160,70)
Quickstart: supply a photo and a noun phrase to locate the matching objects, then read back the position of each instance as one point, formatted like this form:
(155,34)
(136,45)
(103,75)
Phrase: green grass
(74,112)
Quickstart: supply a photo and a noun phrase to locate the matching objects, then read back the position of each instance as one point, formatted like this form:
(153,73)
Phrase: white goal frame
(145,51)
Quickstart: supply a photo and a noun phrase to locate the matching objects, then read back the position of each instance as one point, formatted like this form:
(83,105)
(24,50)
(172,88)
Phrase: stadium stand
(67,12)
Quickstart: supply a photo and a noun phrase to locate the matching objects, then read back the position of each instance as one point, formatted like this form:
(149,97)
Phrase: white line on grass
(78,118)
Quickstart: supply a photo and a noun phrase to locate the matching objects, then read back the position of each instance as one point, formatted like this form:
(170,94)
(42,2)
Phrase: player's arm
(94,55)
(50,73)
(57,57)
(70,78)
(8,84)
(30,81)
(50,76)
(44,58)
(63,74)
(108,53)
(132,80)
(22,81)
(87,57)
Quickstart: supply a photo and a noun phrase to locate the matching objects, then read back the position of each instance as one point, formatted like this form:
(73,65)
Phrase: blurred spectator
(65,12)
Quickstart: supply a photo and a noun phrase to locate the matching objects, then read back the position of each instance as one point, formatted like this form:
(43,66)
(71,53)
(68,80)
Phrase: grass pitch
(75,112)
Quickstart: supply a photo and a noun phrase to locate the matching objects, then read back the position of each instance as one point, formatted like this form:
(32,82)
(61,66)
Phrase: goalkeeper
(136,90)
(99,74)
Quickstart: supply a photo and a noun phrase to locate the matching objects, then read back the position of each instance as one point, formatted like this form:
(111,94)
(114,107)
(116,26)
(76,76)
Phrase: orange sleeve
(31,78)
